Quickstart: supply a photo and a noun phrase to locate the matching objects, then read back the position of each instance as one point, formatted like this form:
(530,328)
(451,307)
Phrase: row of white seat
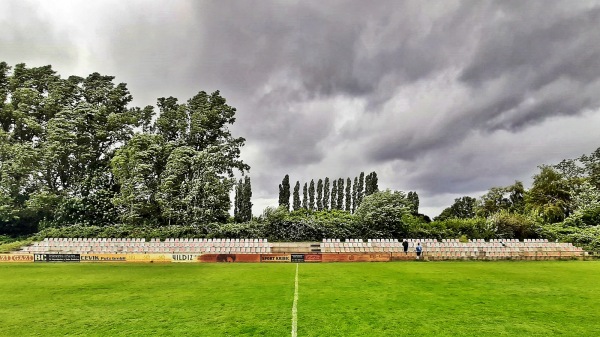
(145,250)
(151,240)
(341,247)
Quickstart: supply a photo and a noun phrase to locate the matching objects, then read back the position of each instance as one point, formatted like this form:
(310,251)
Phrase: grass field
(337,299)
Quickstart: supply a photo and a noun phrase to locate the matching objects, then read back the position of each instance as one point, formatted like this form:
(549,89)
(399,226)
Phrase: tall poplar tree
(413,197)
(305,196)
(361,188)
(334,190)
(340,194)
(326,194)
(311,195)
(237,204)
(354,194)
(368,185)
(284,191)
(246,200)
(374,182)
(320,195)
(348,195)
(296,204)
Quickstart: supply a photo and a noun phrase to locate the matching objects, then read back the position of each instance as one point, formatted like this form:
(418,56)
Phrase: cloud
(448,98)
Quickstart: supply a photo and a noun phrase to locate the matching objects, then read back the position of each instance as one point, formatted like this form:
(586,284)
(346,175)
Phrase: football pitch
(547,298)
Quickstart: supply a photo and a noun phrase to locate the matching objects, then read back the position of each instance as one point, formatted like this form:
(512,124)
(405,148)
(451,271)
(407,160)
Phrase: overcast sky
(446,98)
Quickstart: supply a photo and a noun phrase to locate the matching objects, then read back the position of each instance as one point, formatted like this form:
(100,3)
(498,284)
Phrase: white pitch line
(295,307)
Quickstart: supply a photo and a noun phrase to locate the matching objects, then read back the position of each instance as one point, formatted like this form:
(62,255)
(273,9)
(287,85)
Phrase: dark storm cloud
(332,88)
(532,61)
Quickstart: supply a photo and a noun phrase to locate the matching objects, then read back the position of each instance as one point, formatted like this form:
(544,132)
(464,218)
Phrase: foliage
(284,192)
(549,196)
(380,215)
(296,199)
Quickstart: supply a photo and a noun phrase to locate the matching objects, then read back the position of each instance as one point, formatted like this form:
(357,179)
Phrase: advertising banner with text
(56,257)
(11,258)
(103,258)
(356,257)
(185,258)
(276,257)
(149,258)
(230,258)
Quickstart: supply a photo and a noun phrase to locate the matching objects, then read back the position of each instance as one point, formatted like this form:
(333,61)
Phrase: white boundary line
(295,307)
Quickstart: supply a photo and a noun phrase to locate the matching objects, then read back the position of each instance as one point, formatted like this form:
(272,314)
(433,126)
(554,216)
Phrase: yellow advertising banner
(18,258)
(148,258)
(103,258)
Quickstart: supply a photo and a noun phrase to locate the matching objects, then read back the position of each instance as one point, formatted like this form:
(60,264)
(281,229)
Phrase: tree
(413,197)
(137,168)
(237,210)
(82,161)
(326,193)
(355,194)
(320,195)
(284,192)
(340,194)
(348,195)
(196,161)
(361,188)
(334,190)
(246,200)
(371,184)
(549,195)
(305,196)
(192,188)
(462,208)
(311,195)
(380,215)
(510,198)
(296,204)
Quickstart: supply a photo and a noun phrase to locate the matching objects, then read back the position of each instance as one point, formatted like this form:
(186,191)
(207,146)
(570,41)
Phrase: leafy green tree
(549,196)
(320,195)
(591,166)
(509,225)
(296,203)
(462,208)
(380,215)
(192,189)
(326,193)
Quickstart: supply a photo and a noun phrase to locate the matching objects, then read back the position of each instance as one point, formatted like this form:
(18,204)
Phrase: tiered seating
(371,246)
(454,249)
(154,246)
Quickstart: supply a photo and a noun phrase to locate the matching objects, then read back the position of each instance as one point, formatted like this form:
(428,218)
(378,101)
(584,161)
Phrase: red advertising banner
(241,258)
(313,258)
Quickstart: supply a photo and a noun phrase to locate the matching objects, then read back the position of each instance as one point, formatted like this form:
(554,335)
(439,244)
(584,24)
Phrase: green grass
(337,299)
